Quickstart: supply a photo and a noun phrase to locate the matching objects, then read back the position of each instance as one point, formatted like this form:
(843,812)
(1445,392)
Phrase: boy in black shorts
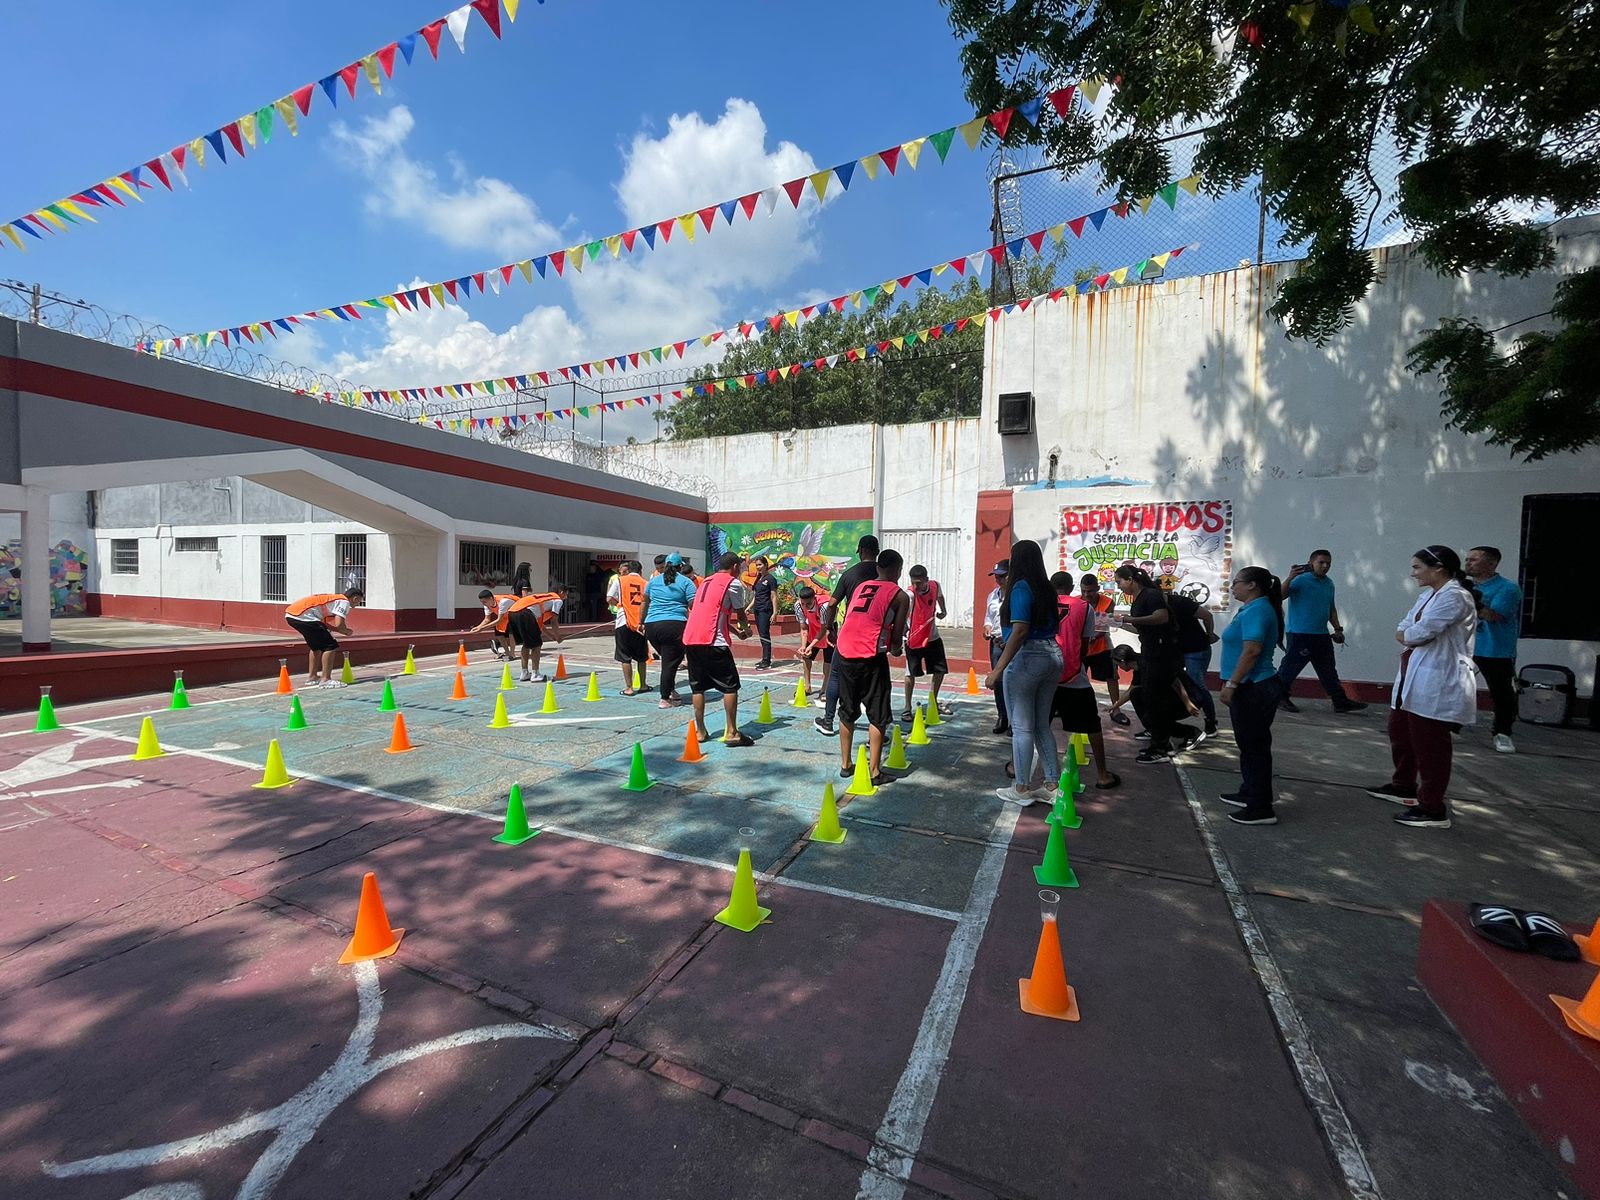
(1075,702)
(874,628)
(813,636)
(924,647)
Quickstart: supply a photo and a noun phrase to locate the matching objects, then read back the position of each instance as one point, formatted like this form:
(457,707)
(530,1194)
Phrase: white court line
(899,1137)
(1314,1081)
(574,834)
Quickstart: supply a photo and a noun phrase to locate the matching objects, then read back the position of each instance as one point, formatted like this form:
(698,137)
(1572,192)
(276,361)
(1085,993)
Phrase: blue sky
(584,120)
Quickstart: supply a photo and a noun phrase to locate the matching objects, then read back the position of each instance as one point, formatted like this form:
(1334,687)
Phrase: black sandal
(744,739)
(1547,936)
(1116,781)
(1499,924)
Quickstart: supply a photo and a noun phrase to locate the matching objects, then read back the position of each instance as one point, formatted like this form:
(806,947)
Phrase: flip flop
(905,717)
(628,692)
(1116,781)
(1547,936)
(1120,718)
(744,739)
(1500,925)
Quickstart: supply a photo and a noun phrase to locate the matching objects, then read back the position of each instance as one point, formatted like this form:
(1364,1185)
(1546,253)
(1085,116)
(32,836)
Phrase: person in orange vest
(496,612)
(530,614)
(719,604)
(625,598)
(317,618)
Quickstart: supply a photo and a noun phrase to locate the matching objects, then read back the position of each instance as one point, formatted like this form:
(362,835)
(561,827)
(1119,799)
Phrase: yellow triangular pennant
(247,126)
(855,298)
(1144,204)
(390,303)
(197,151)
(438,293)
(870,165)
(511,9)
(686,223)
(122,185)
(972,132)
(1120,274)
(819,183)
(898,343)
(887,287)
(614,244)
(575,257)
(12,234)
(1190,185)
(941,268)
(1057,232)
(1091,88)
(912,150)
(526,267)
(76,211)
(52,218)
(287,114)
(792,316)
(1160,260)
(369,64)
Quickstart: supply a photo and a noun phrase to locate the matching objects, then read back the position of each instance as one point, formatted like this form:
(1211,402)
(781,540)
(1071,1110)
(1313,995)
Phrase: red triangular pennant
(665,230)
(1036,240)
(489,10)
(302,99)
(558,260)
(748,203)
(231,130)
(1076,225)
(430,34)
(707,215)
(890,157)
(157,168)
(1002,121)
(628,239)
(795,187)
(386,59)
(1061,101)
(350,74)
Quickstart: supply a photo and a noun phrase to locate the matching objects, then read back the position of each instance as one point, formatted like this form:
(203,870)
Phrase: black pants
(764,632)
(1251,711)
(667,638)
(996,647)
(1158,673)
(1501,676)
(1316,649)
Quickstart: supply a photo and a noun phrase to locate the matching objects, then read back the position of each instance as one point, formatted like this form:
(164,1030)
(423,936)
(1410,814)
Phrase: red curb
(758,1107)
(839,1139)
(582,1058)
(936,1180)
(684,1077)
(631,1055)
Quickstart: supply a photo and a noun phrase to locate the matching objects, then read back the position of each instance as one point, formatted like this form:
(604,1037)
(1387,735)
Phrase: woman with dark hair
(1435,690)
(668,597)
(1152,619)
(1251,689)
(1029,666)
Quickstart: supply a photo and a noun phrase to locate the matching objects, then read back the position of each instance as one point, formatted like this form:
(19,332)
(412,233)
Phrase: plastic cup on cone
(1049,903)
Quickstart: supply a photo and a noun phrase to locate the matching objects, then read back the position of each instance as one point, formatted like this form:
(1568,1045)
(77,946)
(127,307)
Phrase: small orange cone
(373,938)
(1046,993)
(1589,943)
(399,741)
(460,691)
(691,745)
(972,682)
(461,655)
(1583,1016)
(561,666)
(285,686)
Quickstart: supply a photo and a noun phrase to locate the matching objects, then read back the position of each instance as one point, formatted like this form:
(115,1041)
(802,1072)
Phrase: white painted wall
(1188,390)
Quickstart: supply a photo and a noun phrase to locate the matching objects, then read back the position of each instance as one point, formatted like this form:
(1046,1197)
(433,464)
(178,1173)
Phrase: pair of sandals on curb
(1516,929)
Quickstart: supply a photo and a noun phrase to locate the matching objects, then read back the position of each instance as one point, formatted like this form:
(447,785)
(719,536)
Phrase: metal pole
(34,308)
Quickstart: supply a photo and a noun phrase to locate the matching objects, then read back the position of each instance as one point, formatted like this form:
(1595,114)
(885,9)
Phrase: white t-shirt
(339,608)
(614,599)
(991,614)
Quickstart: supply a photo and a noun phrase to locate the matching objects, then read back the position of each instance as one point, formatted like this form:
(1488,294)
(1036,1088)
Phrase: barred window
(484,564)
(195,545)
(124,556)
(274,566)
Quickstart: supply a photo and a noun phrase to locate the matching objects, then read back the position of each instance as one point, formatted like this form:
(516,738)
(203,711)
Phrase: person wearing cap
(997,642)
(668,597)
(924,647)
(496,612)
(861,572)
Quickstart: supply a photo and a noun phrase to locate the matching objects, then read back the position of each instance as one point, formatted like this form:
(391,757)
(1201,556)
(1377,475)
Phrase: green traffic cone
(516,831)
(764,717)
(1065,811)
(297,716)
(47,713)
(387,704)
(180,695)
(861,783)
(638,778)
(897,751)
(1055,871)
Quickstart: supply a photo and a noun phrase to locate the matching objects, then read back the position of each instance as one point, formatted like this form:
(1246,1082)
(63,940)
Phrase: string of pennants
(748,330)
(1107,280)
(253,129)
(647,237)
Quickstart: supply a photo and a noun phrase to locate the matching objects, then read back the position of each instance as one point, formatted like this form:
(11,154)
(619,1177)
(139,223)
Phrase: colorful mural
(68,568)
(1186,546)
(816,553)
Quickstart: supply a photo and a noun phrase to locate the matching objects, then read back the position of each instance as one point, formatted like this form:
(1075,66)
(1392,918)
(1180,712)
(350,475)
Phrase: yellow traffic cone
(505,679)
(149,747)
(500,720)
(411,662)
(800,699)
(862,784)
(638,684)
(919,731)
(593,696)
(275,776)
(743,913)
(897,751)
(828,828)
(346,675)
(550,704)
(764,717)
(932,709)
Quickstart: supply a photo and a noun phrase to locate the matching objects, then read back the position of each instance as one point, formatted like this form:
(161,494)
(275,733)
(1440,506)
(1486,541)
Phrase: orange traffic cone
(561,666)
(1583,1016)
(373,937)
(1046,993)
(461,655)
(285,686)
(460,691)
(691,745)
(972,682)
(399,741)
(1589,943)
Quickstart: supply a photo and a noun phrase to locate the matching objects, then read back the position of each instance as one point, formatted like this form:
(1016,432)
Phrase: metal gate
(274,567)
(939,551)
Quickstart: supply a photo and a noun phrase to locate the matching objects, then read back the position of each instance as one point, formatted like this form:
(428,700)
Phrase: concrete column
(445,583)
(36,573)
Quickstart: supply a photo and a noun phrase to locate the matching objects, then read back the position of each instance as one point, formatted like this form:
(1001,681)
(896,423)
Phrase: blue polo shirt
(1255,622)
(1498,639)
(1310,604)
(669,601)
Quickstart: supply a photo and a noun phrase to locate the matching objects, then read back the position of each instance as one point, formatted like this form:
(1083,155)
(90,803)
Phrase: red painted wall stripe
(794,514)
(63,383)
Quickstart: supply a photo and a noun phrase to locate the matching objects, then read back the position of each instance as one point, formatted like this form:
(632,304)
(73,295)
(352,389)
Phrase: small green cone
(346,675)
(1065,811)
(505,679)
(517,830)
(897,750)
(933,717)
(387,704)
(297,717)
(500,720)
(592,696)
(743,912)
(1071,782)
(47,714)
(764,717)
(1055,871)
(827,828)
(638,778)
(550,704)
(919,731)
(861,783)
(180,695)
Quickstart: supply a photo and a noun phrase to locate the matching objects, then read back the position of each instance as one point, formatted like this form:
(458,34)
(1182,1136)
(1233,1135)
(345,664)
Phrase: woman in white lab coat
(1435,691)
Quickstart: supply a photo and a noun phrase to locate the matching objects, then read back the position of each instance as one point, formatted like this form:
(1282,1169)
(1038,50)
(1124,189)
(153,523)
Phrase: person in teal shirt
(1309,593)
(1251,689)
(1499,626)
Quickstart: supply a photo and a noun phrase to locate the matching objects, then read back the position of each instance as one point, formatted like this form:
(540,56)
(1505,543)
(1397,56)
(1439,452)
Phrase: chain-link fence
(1220,233)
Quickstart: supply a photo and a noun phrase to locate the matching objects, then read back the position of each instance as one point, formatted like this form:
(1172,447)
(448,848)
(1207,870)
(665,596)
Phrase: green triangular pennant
(870,294)
(264,123)
(941,141)
(1170,195)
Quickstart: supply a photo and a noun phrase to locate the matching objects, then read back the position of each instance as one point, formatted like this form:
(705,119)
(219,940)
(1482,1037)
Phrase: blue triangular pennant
(844,171)
(331,86)
(924,275)
(1028,110)
(649,232)
(538,265)
(407,45)
(729,207)
(215,138)
(1099,218)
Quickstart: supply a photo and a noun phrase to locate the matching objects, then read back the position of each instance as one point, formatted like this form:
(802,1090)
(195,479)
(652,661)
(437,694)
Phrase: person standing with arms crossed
(763,589)
(874,628)
(997,642)
(1499,626)
(864,570)
(1309,594)
(924,647)
(718,606)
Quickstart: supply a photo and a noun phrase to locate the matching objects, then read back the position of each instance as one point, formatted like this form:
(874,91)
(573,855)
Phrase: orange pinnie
(1046,993)
(459,692)
(373,938)
(691,746)
(399,741)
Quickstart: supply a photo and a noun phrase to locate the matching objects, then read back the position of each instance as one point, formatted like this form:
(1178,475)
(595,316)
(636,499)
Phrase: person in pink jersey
(873,629)
(719,604)
(924,646)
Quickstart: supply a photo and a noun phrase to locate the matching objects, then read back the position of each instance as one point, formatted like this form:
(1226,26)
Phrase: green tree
(937,379)
(1495,110)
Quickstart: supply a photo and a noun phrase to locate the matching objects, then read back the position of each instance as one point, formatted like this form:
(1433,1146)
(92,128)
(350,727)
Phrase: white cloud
(470,212)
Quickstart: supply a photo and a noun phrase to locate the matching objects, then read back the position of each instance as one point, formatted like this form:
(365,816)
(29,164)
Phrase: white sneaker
(333,683)
(1503,744)
(536,678)
(526,678)
(1012,796)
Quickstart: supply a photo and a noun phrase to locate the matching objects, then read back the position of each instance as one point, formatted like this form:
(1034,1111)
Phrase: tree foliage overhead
(1495,109)
(940,379)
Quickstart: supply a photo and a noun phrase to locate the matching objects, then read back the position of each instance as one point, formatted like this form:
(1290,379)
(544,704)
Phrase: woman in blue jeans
(1030,667)
(1251,689)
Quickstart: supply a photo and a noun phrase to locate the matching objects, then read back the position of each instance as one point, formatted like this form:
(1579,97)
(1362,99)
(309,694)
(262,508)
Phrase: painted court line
(574,834)
(1314,1081)
(900,1135)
